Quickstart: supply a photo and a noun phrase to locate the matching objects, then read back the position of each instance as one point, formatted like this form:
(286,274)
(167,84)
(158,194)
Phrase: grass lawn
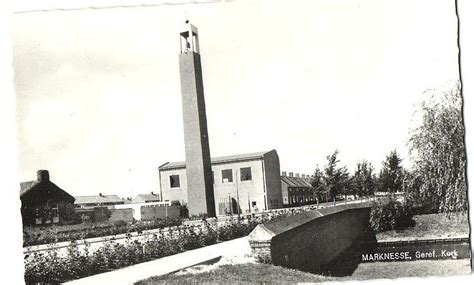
(420,268)
(264,273)
(431,226)
(240,274)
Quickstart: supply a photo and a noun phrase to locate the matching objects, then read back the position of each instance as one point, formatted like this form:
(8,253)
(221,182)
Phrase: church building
(243,184)
(237,184)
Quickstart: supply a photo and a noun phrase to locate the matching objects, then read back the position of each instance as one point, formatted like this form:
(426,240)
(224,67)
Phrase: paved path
(237,248)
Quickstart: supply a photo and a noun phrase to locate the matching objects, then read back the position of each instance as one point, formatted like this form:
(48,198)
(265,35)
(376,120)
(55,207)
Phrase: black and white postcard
(239,141)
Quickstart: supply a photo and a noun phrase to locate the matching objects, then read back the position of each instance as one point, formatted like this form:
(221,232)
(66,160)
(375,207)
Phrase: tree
(336,178)
(438,149)
(318,184)
(363,181)
(391,175)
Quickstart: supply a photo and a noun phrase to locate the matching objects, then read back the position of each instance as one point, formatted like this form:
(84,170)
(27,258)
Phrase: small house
(146,198)
(43,202)
(100,200)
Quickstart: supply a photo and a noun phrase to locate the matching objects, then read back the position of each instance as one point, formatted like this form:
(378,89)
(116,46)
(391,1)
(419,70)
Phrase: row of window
(295,199)
(227,177)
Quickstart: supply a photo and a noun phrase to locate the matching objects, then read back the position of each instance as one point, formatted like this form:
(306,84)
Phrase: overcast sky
(99,101)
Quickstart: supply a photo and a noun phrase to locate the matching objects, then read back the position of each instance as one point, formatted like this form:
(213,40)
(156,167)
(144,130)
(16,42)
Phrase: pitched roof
(30,186)
(26,186)
(295,181)
(148,197)
(219,160)
(97,199)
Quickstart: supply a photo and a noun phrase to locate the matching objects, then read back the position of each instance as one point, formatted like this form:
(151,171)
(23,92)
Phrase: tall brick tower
(198,160)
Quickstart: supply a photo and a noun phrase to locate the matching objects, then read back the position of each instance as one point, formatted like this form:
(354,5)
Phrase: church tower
(198,160)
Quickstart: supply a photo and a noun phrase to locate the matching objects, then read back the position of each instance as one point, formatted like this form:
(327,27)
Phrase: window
(174,181)
(227,175)
(38,219)
(245,174)
(55,212)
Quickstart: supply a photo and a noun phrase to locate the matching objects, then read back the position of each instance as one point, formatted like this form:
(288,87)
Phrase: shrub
(390,214)
(183,211)
(263,258)
(120,224)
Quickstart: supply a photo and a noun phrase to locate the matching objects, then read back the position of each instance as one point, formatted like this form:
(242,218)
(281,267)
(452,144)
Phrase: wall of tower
(272,180)
(198,162)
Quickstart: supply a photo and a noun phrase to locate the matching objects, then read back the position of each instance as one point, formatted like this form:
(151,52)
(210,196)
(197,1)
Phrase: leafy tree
(336,178)
(363,181)
(438,148)
(318,184)
(391,175)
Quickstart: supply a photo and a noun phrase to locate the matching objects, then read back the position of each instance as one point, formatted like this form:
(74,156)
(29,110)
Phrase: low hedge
(53,235)
(50,267)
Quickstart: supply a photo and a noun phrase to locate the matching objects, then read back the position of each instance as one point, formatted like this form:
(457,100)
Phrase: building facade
(246,183)
(296,190)
(43,202)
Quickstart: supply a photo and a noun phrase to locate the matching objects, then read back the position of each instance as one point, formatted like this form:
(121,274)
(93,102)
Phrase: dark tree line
(437,180)
(335,181)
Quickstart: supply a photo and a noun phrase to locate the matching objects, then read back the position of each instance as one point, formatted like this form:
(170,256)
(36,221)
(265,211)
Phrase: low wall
(311,240)
(121,215)
(159,212)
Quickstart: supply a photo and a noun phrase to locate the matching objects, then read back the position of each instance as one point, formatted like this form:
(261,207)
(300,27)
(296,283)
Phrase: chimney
(152,193)
(43,176)
(290,174)
(303,175)
(297,175)
(100,194)
(283,173)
